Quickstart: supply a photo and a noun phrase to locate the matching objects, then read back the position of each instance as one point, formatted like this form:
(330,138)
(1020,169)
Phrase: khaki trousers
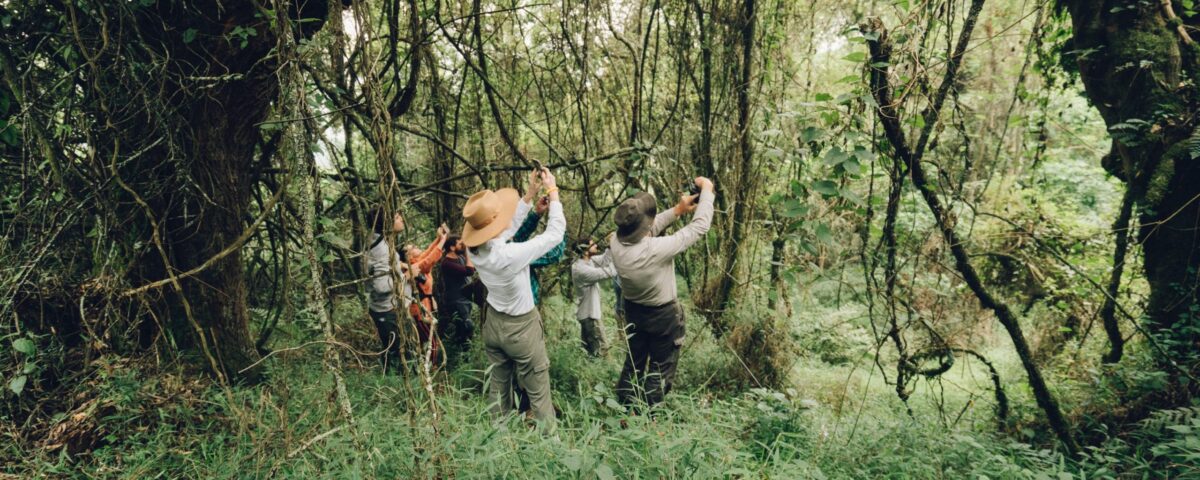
(517,344)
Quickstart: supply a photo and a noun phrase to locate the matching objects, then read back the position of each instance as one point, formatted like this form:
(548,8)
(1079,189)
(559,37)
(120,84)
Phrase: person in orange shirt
(421,263)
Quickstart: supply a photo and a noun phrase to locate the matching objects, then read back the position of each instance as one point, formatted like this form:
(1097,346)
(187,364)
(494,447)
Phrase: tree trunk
(1108,312)
(718,300)
(1132,67)
(218,130)
(886,109)
(442,160)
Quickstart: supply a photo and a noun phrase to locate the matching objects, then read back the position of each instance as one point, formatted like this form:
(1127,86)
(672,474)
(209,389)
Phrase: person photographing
(424,310)
(455,302)
(587,272)
(512,335)
(387,271)
(645,263)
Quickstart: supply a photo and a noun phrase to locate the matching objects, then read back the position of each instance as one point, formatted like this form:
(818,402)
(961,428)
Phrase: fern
(1193,144)
(1161,421)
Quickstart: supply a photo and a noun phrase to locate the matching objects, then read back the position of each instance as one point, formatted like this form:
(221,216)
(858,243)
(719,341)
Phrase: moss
(1160,180)
(1152,58)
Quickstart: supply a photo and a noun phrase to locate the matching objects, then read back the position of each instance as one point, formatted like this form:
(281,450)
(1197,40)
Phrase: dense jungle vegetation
(952,239)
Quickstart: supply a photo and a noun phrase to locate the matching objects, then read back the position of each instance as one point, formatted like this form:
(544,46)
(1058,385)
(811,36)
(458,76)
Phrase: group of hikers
(498,244)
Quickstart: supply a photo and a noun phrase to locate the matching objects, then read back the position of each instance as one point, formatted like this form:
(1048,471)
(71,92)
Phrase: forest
(916,239)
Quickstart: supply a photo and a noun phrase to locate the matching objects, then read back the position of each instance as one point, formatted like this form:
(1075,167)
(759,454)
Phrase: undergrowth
(145,420)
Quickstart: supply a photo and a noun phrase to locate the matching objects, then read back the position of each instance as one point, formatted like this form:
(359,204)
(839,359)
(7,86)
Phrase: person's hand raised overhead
(687,204)
(551,184)
(535,185)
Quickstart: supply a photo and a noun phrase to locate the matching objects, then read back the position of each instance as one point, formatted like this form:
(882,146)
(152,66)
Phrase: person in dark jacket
(455,300)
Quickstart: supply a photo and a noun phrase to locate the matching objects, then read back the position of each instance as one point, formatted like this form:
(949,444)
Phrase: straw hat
(487,214)
(634,217)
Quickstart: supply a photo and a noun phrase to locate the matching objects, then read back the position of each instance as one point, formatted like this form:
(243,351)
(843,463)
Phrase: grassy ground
(835,421)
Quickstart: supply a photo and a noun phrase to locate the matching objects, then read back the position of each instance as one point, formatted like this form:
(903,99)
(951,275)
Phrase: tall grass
(836,421)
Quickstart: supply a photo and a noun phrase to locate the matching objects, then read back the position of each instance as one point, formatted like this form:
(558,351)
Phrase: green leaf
(189,35)
(863,154)
(835,156)
(24,345)
(857,57)
(824,234)
(823,97)
(17,385)
(604,472)
(825,187)
(8,134)
(793,208)
(573,462)
(917,121)
(811,134)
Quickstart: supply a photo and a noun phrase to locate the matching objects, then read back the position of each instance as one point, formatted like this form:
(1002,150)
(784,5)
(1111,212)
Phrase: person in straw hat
(512,335)
(645,263)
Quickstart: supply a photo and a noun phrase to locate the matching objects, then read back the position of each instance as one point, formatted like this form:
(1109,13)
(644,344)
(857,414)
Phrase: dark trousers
(460,328)
(655,336)
(389,338)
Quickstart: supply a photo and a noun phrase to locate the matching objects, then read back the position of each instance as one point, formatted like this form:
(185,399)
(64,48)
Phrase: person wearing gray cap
(645,264)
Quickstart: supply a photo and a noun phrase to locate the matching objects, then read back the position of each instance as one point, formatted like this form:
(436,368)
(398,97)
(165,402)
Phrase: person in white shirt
(587,272)
(512,334)
(390,288)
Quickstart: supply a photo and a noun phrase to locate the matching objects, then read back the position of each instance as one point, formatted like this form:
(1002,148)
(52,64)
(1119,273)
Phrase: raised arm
(584,273)
(663,220)
(679,241)
(524,253)
(527,228)
(427,259)
(553,256)
(523,206)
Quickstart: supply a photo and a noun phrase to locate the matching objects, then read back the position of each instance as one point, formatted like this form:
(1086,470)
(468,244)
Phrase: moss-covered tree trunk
(1138,69)
(221,85)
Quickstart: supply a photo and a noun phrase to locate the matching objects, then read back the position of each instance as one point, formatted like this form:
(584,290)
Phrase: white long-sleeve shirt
(504,267)
(587,275)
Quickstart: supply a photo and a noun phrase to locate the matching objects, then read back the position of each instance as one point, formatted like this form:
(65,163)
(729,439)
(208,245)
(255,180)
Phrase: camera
(691,189)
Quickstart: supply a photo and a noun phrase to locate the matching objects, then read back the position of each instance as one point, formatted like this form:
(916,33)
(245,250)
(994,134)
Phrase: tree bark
(218,125)
(1133,63)
(1108,312)
(718,300)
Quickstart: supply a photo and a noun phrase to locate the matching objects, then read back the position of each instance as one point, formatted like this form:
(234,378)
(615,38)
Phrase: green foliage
(778,423)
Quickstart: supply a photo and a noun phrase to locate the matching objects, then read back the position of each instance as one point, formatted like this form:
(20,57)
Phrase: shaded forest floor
(838,419)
